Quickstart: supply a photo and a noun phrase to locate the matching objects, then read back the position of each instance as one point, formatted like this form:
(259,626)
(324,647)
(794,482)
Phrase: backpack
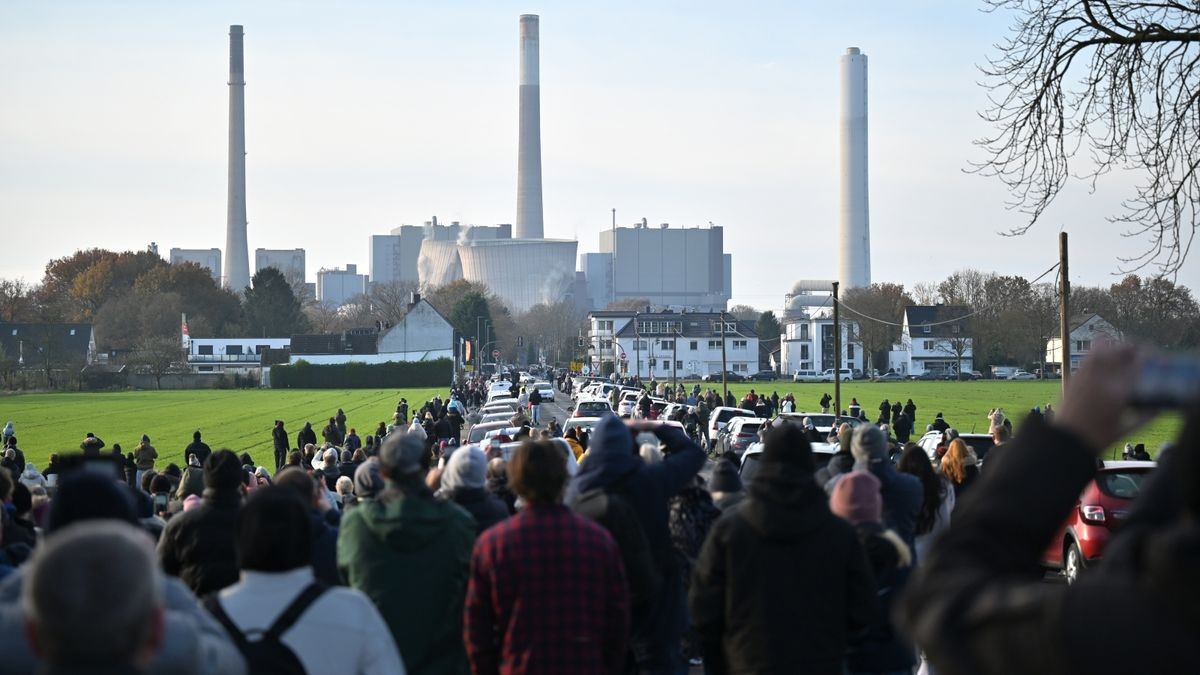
(614,513)
(268,654)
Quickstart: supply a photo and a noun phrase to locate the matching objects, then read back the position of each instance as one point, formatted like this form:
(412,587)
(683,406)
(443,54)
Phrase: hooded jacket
(410,553)
(198,545)
(782,584)
(31,477)
(144,455)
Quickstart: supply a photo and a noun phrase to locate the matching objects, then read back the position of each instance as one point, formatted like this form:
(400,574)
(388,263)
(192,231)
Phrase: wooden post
(837,351)
(1064,312)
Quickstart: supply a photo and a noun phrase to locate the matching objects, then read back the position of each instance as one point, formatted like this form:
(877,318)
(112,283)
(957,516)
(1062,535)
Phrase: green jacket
(411,554)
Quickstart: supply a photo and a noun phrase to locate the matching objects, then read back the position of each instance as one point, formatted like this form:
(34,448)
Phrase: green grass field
(964,404)
(241,419)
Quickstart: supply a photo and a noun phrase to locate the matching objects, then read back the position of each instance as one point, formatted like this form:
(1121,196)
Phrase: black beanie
(89,496)
(222,471)
(788,444)
(725,478)
(22,498)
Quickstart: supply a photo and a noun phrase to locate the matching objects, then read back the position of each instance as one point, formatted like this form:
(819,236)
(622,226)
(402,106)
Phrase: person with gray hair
(463,482)
(902,493)
(410,553)
(106,615)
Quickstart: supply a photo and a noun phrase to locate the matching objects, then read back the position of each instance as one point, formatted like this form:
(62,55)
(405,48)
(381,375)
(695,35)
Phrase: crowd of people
(404,551)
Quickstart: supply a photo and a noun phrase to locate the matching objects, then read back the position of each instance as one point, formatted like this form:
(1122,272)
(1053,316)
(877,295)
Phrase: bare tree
(924,293)
(159,356)
(1118,79)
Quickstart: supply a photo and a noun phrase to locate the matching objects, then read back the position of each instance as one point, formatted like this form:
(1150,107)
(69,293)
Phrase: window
(666,344)
(639,345)
(652,363)
(72,331)
(693,345)
(606,345)
(849,351)
(259,349)
(714,344)
(1083,345)
(739,344)
(804,352)
(928,345)
(204,350)
(233,350)
(666,365)
(679,365)
(926,329)
(729,327)
(803,331)
(955,329)
(741,367)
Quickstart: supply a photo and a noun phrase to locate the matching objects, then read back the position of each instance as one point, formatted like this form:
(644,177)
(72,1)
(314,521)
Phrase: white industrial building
(290,262)
(402,255)
(218,355)
(807,333)
(934,340)
(679,267)
(336,287)
(208,258)
(665,344)
(1086,329)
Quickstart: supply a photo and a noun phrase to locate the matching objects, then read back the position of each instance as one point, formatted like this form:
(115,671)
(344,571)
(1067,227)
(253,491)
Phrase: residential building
(422,335)
(208,258)
(219,355)
(808,341)
(662,344)
(41,346)
(336,287)
(1086,329)
(935,340)
(678,267)
(290,262)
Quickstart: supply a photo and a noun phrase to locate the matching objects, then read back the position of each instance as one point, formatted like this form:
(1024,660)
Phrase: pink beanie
(856,498)
(191,502)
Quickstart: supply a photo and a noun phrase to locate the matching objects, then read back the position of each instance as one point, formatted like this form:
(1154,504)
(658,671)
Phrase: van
(846,376)
(806,376)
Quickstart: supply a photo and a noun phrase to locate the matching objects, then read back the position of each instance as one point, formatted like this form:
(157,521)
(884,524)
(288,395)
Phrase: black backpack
(268,654)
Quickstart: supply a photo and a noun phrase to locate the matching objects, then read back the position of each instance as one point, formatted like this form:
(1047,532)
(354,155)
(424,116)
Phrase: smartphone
(160,502)
(1169,380)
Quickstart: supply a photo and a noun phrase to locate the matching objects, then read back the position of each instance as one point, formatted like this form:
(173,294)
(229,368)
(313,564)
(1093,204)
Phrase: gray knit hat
(868,444)
(401,453)
(368,482)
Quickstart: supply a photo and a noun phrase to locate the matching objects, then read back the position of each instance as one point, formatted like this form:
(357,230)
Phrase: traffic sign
(624,356)
(495,353)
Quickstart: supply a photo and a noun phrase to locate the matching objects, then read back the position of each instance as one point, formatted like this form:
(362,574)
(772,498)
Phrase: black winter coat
(484,507)
(782,584)
(280,436)
(305,436)
(198,448)
(198,545)
(974,608)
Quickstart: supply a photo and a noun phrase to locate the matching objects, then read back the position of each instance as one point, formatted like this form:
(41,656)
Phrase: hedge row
(304,375)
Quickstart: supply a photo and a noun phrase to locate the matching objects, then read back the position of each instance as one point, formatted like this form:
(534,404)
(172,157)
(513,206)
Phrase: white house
(1085,330)
(665,344)
(808,341)
(217,355)
(935,339)
(422,335)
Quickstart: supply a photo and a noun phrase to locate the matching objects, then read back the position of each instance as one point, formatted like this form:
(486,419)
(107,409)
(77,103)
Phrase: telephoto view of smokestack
(854,246)
(529,147)
(237,255)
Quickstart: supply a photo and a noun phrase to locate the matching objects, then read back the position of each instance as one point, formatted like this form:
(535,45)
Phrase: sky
(365,115)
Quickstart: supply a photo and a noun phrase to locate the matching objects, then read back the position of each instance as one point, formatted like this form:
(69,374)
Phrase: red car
(1101,508)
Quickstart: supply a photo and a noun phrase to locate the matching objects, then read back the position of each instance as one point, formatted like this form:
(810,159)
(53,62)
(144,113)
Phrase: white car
(980,443)
(582,423)
(572,465)
(822,422)
(806,376)
(719,417)
(1022,375)
(627,403)
(545,389)
(500,405)
(821,452)
(502,416)
(596,407)
(827,376)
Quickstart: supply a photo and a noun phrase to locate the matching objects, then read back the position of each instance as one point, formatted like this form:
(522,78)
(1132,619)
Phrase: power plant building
(208,258)
(288,261)
(337,287)
(669,267)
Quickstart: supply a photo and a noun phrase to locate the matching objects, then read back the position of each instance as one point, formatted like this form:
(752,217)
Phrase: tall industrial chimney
(237,256)
(529,149)
(854,250)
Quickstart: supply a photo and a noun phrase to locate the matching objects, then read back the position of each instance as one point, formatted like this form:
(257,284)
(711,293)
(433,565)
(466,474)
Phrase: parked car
(545,389)
(1103,506)
(890,377)
(806,376)
(1022,375)
(719,417)
(627,403)
(846,376)
(925,377)
(507,449)
(765,376)
(980,443)
(751,458)
(502,416)
(822,422)
(592,408)
(740,433)
(730,376)
(480,431)
(583,423)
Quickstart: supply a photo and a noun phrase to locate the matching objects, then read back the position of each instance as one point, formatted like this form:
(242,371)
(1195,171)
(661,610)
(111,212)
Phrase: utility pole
(1064,311)
(637,346)
(724,368)
(837,350)
(674,363)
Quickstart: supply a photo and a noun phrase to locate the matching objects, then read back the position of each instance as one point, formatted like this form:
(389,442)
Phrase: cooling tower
(237,254)
(522,273)
(438,263)
(529,145)
(854,249)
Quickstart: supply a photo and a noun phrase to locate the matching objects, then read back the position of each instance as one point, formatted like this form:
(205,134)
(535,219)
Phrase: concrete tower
(237,256)
(529,148)
(854,250)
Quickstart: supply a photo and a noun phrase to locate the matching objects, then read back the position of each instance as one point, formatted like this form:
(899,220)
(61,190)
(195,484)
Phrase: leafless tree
(1116,79)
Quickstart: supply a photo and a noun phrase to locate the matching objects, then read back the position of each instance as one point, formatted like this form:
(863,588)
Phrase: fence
(392,375)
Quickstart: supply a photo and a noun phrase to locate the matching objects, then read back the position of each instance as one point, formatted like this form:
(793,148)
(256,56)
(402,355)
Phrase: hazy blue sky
(362,116)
